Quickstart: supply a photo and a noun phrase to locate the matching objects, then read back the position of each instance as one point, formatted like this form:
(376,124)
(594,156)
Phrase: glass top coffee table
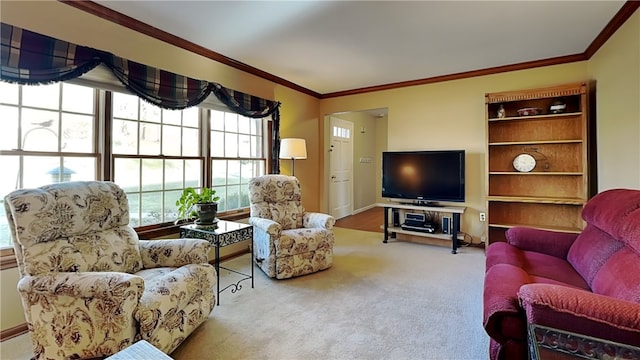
(221,234)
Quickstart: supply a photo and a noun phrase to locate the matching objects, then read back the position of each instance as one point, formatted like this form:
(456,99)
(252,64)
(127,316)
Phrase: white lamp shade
(293,149)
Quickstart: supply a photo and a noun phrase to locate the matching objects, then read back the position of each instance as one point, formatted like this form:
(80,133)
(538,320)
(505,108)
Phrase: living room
(450,114)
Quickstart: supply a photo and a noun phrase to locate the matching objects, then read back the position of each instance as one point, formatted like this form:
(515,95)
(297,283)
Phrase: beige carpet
(398,300)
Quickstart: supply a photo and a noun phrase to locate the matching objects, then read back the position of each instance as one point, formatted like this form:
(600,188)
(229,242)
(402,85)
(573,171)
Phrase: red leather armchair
(587,283)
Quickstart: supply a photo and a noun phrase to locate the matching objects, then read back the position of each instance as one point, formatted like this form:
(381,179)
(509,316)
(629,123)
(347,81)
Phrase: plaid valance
(159,87)
(244,104)
(30,58)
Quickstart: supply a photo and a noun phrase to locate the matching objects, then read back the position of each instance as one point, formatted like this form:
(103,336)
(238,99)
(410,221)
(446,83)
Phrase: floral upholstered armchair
(287,240)
(89,286)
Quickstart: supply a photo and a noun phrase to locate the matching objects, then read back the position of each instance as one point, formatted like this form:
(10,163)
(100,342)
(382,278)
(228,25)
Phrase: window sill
(8,262)
(166,229)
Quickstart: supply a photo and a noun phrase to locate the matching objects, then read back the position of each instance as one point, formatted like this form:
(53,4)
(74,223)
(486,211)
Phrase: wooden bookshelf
(552,195)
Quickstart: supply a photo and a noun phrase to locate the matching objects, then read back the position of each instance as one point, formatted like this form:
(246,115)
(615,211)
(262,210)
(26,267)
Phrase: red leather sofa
(587,283)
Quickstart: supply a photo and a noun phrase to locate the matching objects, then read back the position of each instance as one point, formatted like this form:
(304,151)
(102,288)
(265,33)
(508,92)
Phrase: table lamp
(293,149)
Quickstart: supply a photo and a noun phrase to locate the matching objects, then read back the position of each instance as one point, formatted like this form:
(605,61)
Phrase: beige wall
(382,144)
(11,314)
(450,115)
(616,68)
(446,115)
(299,118)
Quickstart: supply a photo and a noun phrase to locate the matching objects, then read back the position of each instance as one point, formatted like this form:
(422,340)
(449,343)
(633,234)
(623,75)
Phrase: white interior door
(341,168)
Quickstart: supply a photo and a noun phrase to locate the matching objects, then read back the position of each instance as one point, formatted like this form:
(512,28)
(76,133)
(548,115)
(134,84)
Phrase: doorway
(341,168)
(358,154)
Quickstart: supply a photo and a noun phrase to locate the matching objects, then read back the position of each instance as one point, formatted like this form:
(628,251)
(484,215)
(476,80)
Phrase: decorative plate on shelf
(529,111)
(524,162)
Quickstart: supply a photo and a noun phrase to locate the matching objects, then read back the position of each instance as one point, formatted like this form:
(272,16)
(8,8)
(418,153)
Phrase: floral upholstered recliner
(89,286)
(287,240)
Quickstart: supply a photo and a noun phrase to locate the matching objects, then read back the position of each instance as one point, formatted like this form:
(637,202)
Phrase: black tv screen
(423,176)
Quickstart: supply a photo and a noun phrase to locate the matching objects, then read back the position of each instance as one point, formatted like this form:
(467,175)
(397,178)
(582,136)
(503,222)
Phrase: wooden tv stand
(393,230)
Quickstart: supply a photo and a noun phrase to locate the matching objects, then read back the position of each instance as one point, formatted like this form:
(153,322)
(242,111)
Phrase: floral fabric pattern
(174,252)
(89,286)
(177,300)
(109,250)
(80,314)
(318,220)
(277,197)
(67,209)
(288,241)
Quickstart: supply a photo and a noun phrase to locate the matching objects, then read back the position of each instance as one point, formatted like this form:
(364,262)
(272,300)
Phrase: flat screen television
(424,177)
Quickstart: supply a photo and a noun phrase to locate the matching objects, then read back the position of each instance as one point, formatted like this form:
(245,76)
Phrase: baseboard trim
(13,332)
(363,209)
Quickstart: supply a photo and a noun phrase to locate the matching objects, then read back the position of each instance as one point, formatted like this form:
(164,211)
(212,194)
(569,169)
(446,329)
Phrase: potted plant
(203,205)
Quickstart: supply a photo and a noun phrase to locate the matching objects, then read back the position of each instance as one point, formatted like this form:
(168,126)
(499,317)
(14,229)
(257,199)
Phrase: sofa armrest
(581,312)
(173,252)
(265,233)
(552,243)
(84,285)
(503,317)
(267,225)
(318,220)
(175,291)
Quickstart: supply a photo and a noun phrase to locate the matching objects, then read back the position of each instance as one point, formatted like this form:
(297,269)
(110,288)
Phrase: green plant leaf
(190,197)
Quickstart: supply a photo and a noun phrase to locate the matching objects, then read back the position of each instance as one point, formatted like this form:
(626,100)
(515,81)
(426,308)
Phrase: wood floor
(369,220)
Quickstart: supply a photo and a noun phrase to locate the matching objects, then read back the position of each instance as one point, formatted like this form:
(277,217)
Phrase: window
(237,144)
(156,154)
(52,133)
(48,135)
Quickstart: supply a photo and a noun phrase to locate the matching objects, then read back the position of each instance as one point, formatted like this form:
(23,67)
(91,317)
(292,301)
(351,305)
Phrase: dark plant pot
(206,213)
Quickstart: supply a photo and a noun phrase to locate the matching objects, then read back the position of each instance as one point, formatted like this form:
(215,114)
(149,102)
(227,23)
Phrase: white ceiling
(331,46)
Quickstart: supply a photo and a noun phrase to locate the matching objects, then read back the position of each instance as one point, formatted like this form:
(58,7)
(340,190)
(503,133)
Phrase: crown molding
(463,75)
(136,25)
(614,24)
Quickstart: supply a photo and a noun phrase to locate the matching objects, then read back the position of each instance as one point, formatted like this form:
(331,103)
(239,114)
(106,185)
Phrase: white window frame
(21,153)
